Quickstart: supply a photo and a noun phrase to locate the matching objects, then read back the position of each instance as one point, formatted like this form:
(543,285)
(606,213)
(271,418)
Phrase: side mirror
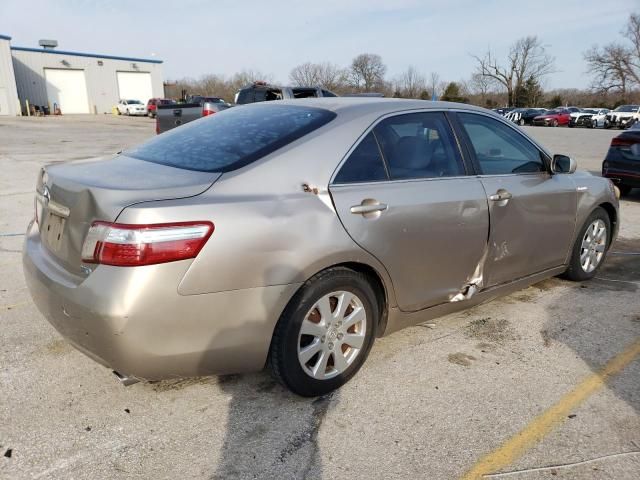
(563,164)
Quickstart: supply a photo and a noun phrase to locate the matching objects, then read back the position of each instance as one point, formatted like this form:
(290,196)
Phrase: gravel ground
(430,401)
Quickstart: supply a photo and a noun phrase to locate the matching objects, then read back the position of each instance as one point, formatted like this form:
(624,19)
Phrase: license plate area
(54,230)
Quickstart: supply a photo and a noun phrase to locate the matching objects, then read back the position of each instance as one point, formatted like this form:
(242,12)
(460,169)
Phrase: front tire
(326,332)
(555,123)
(590,248)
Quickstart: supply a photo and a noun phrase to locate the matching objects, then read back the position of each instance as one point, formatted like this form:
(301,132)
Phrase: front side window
(365,164)
(232,138)
(499,149)
(419,145)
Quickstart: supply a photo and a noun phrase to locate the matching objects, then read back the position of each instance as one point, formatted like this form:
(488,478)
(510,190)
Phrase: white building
(78,82)
(8,94)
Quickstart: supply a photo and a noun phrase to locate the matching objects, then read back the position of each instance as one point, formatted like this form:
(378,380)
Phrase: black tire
(555,123)
(283,354)
(624,190)
(575,271)
(570,125)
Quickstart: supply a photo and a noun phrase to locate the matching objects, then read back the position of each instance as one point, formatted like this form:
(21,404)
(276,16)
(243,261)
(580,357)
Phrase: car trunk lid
(71,196)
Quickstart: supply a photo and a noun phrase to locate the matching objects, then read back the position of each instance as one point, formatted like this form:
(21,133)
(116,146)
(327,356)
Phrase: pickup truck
(263,92)
(171,116)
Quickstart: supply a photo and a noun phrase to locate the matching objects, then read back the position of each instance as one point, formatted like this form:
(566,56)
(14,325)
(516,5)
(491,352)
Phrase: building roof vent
(48,44)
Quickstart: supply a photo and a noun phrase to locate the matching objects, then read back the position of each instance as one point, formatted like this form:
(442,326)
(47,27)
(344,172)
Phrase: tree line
(516,80)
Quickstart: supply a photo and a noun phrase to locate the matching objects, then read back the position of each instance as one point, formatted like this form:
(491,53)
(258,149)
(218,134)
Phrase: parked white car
(584,118)
(599,118)
(131,107)
(623,117)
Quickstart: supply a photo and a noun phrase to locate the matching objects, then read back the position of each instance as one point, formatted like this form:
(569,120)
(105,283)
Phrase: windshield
(627,108)
(134,102)
(553,112)
(233,138)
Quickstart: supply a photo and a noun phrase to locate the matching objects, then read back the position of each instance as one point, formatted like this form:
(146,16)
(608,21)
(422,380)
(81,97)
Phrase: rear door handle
(369,208)
(500,195)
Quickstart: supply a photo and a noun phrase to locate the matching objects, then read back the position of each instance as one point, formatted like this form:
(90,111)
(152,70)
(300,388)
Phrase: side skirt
(397,319)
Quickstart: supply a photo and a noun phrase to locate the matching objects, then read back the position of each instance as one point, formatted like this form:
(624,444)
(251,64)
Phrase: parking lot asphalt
(543,383)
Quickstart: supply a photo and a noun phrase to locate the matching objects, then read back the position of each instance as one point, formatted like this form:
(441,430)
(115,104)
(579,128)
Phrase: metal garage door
(68,89)
(135,86)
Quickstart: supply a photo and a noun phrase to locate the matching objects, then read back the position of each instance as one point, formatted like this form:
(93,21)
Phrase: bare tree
(367,71)
(527,59)
(480,84)
(615,66)
(411,83)
(327,75)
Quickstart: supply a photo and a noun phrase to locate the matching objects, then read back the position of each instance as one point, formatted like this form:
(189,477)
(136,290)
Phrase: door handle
(500,195)
(369,208)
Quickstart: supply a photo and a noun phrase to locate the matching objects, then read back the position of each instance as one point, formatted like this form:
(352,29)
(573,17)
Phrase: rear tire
(325,333)
(591,247)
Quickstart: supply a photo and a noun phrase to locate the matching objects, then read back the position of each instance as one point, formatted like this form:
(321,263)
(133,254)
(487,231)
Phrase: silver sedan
(294,233)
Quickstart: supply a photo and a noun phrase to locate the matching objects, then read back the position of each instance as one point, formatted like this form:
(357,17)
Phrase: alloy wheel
(593,245)
(332,335)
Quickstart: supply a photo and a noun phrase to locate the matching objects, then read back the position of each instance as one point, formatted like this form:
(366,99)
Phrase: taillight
(136,245)
(622,142)
(206,112)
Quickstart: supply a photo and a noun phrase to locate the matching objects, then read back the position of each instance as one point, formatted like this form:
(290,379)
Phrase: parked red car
(553,118)
(153,103)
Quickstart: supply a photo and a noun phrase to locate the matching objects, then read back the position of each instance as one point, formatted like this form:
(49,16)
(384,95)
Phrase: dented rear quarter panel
(268,229)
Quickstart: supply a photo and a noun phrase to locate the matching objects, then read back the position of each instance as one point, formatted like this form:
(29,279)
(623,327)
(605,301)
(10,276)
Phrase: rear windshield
(233,138)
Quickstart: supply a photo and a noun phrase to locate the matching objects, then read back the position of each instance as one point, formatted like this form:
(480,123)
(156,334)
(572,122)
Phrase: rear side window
(365,164)
(304,92)
(499,149)
(233,138)
(245,96)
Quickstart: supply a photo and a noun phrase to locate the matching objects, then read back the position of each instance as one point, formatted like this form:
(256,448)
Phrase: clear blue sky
(196,37)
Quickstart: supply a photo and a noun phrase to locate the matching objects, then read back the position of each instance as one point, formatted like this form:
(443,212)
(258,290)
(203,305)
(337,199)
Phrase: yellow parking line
(535,431)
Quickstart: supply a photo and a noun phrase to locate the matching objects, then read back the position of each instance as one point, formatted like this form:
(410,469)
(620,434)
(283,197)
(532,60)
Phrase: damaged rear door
(403,194)
(533,212)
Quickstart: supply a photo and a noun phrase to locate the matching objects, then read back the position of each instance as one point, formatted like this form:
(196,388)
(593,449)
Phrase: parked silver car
(294,233)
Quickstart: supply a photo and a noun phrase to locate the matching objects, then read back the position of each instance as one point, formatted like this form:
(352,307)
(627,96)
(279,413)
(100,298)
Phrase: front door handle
(500,196)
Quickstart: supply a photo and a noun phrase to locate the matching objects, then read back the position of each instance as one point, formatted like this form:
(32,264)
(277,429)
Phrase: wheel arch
(379,288)
(377,281)
(613,217)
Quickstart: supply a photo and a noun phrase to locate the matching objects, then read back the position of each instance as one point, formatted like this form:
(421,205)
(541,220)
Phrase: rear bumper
(134,321)
(623,177)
